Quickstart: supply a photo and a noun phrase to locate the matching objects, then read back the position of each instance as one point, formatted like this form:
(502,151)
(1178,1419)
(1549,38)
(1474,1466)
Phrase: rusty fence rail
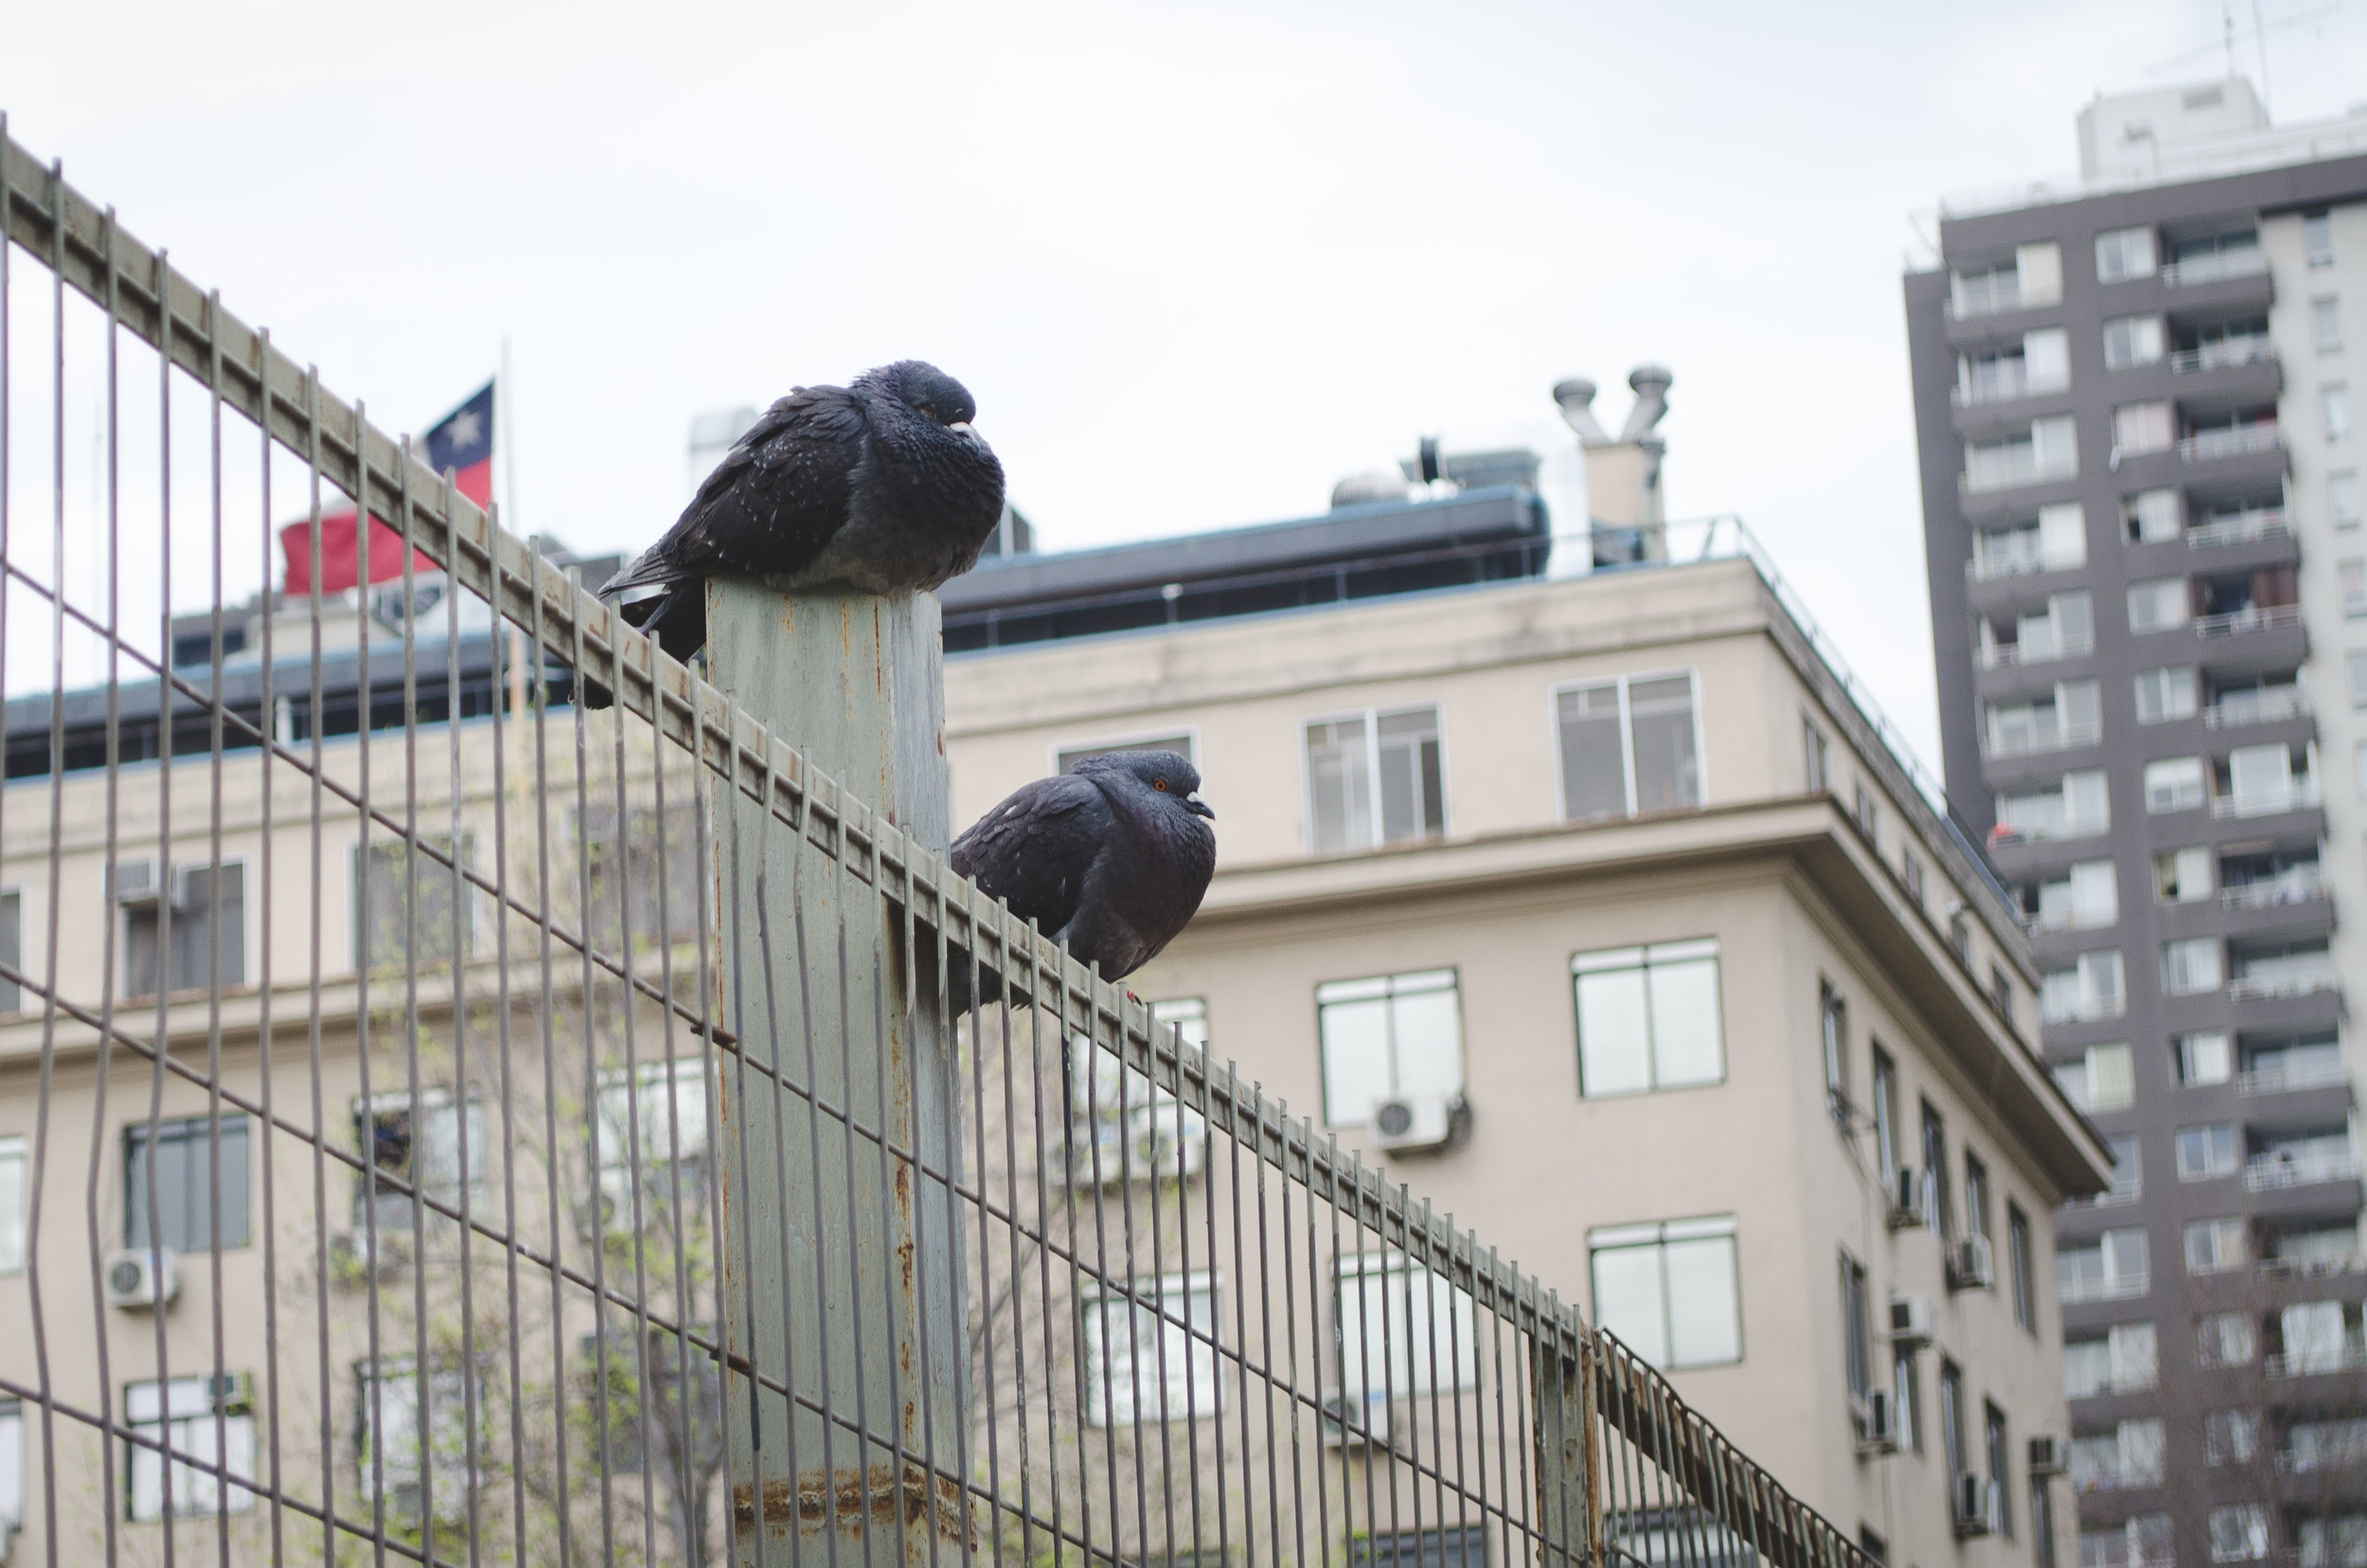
(439,1123)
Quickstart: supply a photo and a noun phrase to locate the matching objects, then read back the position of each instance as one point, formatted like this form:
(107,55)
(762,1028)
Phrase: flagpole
(507,445)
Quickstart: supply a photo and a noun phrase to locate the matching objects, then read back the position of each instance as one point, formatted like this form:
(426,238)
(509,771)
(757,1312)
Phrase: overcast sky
(1196,261)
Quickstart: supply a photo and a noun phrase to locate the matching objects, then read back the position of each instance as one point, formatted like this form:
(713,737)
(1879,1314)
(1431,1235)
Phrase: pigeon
(1112,858)
(880,484)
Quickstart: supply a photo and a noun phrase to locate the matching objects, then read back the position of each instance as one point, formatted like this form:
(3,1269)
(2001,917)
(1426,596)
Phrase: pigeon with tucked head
(1112,859)
(880,484)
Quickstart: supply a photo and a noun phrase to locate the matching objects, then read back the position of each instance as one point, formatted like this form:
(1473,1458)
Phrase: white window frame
(15,1153)
(1371,718)
(11,1467)
(1657,1236)
(1404,1354)
(465,850)
(1627,739)
(158,1486)
(1685,950)
(477,1153)
(1147,1397)
(250,914)
(1354,990)
(400,1465)
(646,1082)
(1136,741)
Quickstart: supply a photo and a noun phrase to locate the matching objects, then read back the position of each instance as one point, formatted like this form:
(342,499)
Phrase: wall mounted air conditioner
(141,1278)
(2046,1457)
(1409,1122)
(135,883)
(1980,1505)
(1971,1265)
(1877,1423)
(1352,1420)
(1910,1198)
(1913,1321)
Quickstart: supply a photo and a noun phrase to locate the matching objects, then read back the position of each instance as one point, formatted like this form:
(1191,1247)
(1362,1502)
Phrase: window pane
(1429,1043)
(1627,1300)
(184,1183)
(1666,773)
(1411,792)
(1593,768)
(1687,1036)
(1355,1058)
(1706,1316)
(391,922)
(1614,1050)
(11,1204)
(1339,784)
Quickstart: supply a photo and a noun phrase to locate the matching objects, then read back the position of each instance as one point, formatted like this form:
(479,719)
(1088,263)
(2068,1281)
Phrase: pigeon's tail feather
(677,618)
(651,567)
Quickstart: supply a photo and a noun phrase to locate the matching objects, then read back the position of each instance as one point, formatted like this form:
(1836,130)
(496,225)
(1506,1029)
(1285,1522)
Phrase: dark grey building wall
(2152,1019)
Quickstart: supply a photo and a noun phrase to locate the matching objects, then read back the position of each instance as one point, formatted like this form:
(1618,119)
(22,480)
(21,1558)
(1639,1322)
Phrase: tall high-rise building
(2148,577)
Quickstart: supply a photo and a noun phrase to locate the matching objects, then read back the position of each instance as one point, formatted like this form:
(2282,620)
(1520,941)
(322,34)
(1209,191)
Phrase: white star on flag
(464,430)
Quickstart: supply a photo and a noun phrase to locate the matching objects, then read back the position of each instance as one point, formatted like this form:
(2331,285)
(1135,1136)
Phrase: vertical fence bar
(857,680)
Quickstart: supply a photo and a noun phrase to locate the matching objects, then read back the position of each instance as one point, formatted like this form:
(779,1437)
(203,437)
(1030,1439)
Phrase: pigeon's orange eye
(1158,783)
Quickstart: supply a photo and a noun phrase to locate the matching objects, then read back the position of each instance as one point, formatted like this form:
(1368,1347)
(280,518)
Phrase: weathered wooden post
(842,1278)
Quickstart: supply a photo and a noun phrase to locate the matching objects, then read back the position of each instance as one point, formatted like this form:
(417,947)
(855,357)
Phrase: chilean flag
(461,441)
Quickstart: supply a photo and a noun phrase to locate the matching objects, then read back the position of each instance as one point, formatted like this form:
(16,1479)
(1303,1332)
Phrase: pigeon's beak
(1197,807)
(961,427)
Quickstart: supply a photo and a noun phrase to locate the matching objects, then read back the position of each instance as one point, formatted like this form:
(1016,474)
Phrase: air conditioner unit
(1405,1122)
(1971,1265)
(141,1278)
(1877,1423)
(136,882)
(1912,1321)
(1354,1420)
(2046,1457)
(1910,1198)
(1980,1505)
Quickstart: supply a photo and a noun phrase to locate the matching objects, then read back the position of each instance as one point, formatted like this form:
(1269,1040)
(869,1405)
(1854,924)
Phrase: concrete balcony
(2275,1173)
(2208,446)
(2243,528)
(2007,655)
(2280,1081)
(2351,1357)
(2038,740)
(2239,623)
(2255,708)
(2302,795)
(2215,269)
(2222,355)
(2276,988)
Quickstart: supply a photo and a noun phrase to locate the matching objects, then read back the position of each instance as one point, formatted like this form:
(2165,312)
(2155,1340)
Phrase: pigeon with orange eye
(1112,859)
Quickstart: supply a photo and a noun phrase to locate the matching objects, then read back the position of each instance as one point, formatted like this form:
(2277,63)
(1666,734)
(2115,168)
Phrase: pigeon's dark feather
(1032,850)
(880,486)
(774,500)
(1111,860)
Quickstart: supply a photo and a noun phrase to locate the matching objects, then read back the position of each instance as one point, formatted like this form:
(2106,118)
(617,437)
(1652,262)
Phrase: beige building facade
(1585,874)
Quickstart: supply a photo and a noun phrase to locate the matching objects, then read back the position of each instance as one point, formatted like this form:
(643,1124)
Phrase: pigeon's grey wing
(1034,850)
(772,501)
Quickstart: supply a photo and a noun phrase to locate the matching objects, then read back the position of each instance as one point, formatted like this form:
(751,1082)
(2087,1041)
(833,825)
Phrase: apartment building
(1591,905)
(2142,518)
(1594,907)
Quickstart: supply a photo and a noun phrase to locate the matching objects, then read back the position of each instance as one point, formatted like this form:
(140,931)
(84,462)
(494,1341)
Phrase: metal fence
(440,1123)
